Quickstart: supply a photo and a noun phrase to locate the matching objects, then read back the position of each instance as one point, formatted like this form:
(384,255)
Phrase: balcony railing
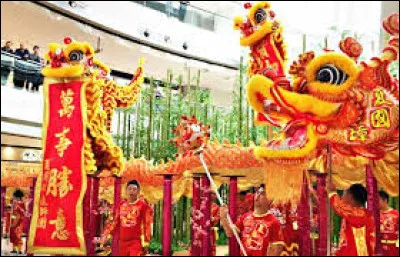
(23,73)
(186,13)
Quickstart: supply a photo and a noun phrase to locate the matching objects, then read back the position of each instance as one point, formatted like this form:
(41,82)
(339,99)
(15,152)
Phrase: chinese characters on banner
(379,118)
(57,223)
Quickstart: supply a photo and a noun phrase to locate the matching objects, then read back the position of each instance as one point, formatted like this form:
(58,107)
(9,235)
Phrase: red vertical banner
(57,221)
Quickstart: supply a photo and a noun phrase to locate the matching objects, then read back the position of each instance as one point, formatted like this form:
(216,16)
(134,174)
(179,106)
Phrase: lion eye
(76,56)
(260,15)
(331,74)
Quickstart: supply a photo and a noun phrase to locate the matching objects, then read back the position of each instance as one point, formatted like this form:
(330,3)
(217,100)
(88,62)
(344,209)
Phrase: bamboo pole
(149,129)
(124,134)
(189,92)
(240,121)
(196,93)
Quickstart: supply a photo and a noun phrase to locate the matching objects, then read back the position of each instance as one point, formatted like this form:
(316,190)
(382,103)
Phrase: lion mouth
(295,137)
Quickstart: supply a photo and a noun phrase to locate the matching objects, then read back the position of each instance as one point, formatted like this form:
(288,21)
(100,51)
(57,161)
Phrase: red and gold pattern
(357,234)
(390,232)
(331,100)
(263,34)
(135,221)
(57,218)
(77,122)
(258,232)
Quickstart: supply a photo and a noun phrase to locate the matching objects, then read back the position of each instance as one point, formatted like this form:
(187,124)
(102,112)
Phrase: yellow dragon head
(73,59)
(332,99)
(260,22)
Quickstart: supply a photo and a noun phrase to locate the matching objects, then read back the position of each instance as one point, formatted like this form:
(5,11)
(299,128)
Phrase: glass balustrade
(20,73)
(187,14)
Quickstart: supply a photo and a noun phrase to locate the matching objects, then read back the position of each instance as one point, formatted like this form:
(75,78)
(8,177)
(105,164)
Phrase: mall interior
(194,65)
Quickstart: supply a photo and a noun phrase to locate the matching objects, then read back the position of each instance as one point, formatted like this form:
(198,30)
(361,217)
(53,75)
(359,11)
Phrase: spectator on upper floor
(22,51)
(35,55)
(7,47)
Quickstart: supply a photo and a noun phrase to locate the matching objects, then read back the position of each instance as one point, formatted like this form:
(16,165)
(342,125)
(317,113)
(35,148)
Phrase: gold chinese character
(63,143)
(360,134)
(52,184)
(59,184)
(43,211)
(66,101)
(63,183)
(380,98)
(42,223)
(60,232)
(380,119)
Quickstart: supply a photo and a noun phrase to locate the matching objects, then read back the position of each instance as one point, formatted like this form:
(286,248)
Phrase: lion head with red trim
(332,99)
(73,59)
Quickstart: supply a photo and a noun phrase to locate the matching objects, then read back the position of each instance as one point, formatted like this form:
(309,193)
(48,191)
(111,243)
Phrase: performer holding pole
(260,231)
(191,139)
(357,235)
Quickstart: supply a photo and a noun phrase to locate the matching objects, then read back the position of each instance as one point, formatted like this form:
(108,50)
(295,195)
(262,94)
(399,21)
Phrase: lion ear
(53,47)
(89,51)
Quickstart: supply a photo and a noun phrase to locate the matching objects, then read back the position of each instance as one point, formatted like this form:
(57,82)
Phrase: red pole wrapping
(234,249)
(32,196)
(206,225)
(117,200)
(322,249)
(3,206)
(86,209)
(195,207)
(373,207)
(94,196)
(304,219)
(167,216)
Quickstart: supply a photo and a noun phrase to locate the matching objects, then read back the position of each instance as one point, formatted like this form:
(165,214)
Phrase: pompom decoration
(191,136)
(351,47)
(67,40)
(247,5)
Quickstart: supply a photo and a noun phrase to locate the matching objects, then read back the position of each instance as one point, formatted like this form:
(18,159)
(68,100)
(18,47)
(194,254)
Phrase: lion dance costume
(79,106)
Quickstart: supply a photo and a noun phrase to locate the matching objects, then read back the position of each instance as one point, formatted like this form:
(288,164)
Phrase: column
(195,249)
(117,200)
(304,219)
(86,209)
(94,196)
(323,215)
(234,249)
(206,204)
(167,216)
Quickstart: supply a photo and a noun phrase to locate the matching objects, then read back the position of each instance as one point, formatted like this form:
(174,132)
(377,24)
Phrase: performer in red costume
(135,217)
(214,224)
(357,234)
(260,231)
(389,226)
(244,203)
(17,222)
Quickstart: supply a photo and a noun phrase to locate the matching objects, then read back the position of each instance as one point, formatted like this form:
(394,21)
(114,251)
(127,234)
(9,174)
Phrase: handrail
(18,58)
